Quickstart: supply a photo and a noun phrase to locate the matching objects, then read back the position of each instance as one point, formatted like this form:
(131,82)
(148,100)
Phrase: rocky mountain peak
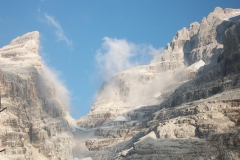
(21,54)
(200,41)
(30,41)
(218,10)
(196,44)
(193,28)
(182,34)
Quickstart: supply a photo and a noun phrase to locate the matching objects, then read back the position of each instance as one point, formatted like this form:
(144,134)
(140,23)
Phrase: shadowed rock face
(33,125)
(196,118)
(231,54)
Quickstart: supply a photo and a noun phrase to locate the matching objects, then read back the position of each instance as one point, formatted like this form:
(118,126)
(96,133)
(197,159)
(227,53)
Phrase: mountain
(183,105)
(34,122)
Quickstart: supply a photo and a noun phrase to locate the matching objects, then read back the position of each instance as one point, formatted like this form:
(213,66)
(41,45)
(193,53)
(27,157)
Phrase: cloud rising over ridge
(117,55)
(50,83)
(58,30)
(61,92)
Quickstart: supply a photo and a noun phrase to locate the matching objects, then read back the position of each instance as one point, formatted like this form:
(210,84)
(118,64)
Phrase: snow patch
(157,95)
(139,106)
(151,135)
(197,66)
(147,138)
(121,118)
(233,18)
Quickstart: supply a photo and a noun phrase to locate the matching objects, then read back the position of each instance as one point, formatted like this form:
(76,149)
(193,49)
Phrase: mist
(135,87)
(117,55)
(52,89)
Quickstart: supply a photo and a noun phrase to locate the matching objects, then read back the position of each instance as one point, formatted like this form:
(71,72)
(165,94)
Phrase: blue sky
(86,41)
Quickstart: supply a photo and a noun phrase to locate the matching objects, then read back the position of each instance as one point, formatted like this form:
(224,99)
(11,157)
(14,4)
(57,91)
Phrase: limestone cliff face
(200,41)
(33,125)
(145,85)
(196,113)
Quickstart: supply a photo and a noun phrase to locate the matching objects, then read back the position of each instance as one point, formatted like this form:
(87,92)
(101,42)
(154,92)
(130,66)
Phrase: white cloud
(61,92)
(118,54)
(51,78)
(58,30)
(115,56)
(155,52)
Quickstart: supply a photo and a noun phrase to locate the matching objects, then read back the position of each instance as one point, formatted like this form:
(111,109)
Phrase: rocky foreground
(184,105)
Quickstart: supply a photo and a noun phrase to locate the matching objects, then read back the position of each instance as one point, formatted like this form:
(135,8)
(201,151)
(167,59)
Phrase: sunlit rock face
(183,105)
(150,84)
(33,125)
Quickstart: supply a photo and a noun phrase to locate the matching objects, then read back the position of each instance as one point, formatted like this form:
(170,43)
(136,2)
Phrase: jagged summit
(200,41)
(21,54)
(30,41)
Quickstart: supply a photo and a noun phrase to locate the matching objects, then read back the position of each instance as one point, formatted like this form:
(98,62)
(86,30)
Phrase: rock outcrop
(33,125)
